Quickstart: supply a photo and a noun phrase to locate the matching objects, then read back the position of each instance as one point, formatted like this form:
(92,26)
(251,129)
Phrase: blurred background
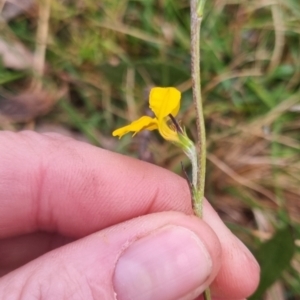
(84,68)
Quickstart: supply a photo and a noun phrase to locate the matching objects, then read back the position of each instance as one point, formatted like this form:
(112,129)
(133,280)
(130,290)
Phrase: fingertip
(239,274)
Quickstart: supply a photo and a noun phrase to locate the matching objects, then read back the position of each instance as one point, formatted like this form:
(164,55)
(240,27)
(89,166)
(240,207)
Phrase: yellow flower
(163,102)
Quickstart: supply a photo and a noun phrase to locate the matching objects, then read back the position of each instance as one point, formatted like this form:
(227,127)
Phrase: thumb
(165,255)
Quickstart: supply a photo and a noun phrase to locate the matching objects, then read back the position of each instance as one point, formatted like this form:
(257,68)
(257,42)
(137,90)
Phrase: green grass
(108,54)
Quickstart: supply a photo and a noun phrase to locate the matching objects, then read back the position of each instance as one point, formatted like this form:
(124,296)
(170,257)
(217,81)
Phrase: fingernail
(167,264)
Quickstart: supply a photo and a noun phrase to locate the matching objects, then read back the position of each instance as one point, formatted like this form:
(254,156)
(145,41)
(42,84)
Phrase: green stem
(196,19)
(197,7)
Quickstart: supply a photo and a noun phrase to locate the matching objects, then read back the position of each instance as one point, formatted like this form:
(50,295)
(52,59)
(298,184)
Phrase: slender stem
(196,19)
(207,295)
(197,7)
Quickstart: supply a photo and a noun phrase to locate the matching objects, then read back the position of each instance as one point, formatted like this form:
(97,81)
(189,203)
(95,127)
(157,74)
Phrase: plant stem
(207,295)
(197,7)
(196,19)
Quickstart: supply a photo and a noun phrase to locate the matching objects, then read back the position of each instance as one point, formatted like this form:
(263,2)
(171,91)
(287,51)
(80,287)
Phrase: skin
(69,211)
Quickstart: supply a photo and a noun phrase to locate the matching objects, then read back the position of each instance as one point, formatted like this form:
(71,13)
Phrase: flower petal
(143,123)
(168,133)
(164,101)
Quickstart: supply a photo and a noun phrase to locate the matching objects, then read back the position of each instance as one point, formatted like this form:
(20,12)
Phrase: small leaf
(274,257)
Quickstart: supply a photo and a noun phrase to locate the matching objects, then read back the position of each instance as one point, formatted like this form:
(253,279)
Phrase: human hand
(79,222)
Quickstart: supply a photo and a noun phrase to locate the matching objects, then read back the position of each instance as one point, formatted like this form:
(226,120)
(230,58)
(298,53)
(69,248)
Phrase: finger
(17,251)
(239,272)
(161,256)
(58,184)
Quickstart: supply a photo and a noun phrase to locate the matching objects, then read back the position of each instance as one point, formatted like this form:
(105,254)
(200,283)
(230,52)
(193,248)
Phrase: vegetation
(102,58)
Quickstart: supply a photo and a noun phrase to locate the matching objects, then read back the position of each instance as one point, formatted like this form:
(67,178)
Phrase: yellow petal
(168,133)
(143,123)
(164,101)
